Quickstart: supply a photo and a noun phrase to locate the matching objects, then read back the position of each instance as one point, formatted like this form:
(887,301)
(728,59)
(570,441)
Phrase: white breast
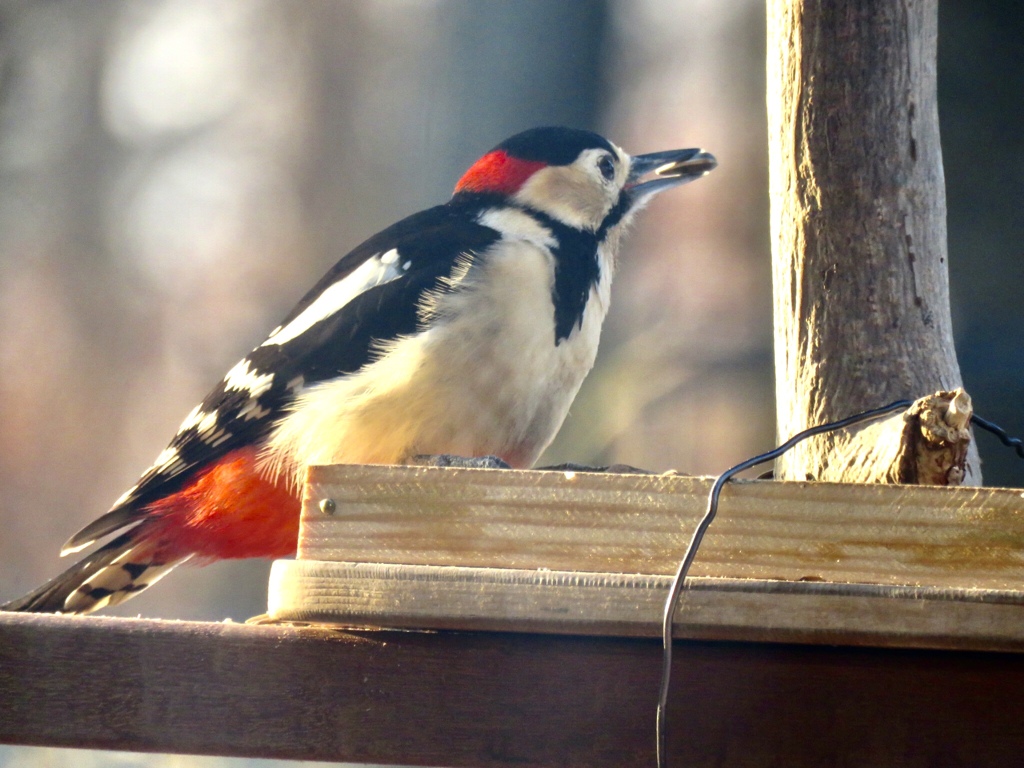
(486,378)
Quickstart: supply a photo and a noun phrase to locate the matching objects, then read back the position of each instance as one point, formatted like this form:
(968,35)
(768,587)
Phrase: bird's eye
(606,167)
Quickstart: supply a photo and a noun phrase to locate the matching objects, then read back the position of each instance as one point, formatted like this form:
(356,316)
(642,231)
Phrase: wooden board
(592,554)
(497,599)
(497,700)
(948,538)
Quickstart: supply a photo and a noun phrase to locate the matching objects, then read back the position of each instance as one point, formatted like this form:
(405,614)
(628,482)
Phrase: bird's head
(579,178)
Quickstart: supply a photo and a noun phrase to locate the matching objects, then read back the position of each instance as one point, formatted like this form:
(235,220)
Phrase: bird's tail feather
(118,570)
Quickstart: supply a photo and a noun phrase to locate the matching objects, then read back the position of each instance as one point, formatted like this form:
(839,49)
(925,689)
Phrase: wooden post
(858,217)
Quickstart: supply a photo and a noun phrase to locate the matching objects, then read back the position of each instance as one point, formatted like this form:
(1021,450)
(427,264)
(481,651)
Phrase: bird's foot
(619,469)
(461,462)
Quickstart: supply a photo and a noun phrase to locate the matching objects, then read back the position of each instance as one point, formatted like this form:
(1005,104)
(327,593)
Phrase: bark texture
(858,216)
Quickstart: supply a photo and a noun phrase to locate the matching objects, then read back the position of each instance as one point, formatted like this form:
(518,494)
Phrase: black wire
(676,588)
(1010,442)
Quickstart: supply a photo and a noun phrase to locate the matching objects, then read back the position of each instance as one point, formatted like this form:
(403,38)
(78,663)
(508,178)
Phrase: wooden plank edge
(623,605)
(496,700)
(387,475)
(963,537)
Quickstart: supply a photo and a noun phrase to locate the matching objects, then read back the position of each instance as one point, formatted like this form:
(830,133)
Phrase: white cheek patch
(373,272)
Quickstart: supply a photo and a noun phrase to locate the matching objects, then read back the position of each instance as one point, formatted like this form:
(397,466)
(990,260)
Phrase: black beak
(671,168)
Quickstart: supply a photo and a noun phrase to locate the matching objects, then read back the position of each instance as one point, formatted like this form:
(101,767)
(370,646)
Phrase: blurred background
(174,174)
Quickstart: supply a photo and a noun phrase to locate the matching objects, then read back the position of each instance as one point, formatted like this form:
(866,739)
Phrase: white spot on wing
(220,437)
(252,410)
(195,416)
(168,461)
(373,272)
(207,423)
(120,500)
(244,379)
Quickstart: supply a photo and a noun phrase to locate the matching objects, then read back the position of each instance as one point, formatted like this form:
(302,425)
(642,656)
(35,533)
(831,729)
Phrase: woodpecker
(464,330)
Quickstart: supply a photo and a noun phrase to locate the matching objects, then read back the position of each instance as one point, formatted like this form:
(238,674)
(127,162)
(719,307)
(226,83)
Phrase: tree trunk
(858,216)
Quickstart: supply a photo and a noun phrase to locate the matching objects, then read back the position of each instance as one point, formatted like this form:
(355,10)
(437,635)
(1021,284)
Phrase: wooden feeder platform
(593,554)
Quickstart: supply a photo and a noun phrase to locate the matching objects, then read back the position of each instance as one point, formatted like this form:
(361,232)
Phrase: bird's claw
(619,469)
(461,462)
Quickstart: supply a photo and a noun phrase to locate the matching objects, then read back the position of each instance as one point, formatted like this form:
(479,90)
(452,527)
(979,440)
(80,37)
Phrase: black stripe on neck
(576,271)
(616,214)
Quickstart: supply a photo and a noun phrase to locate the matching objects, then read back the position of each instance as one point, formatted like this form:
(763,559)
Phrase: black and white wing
(370,296)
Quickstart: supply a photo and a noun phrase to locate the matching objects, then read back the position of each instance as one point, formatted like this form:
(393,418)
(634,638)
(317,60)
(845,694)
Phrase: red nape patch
(229,511)
(498,172)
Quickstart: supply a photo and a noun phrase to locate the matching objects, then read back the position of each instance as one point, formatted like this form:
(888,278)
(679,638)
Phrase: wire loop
(668,619)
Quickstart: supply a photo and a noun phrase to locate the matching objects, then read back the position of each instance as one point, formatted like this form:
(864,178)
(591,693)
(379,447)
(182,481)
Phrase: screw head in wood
(328,506)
